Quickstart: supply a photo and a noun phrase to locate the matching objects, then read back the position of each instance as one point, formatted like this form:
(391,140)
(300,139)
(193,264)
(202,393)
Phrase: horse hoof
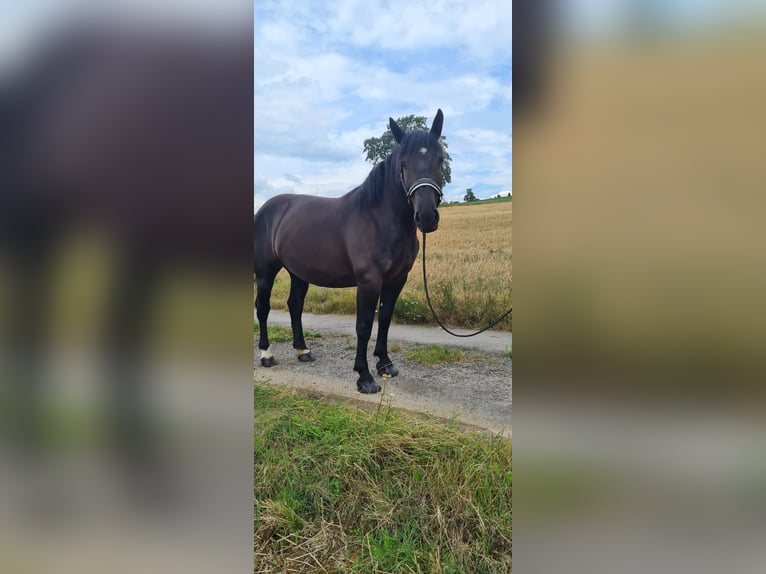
(368,387)
(268,361)
(388,372)
(307,357)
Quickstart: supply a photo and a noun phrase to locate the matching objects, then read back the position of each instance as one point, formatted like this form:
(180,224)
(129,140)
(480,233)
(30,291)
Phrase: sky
(329,74)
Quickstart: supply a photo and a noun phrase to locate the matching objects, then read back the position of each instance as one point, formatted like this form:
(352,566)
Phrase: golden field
(469,264)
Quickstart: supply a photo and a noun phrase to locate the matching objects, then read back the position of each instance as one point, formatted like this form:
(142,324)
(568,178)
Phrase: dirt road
(476,390)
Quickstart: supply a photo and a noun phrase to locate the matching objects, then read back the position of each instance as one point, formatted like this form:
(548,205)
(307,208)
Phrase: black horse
(366,238)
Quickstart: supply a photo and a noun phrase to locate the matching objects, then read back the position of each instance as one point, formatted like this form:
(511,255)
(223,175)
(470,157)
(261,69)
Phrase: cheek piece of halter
(417,184)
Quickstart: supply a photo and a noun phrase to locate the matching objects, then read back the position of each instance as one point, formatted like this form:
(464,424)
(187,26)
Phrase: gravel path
(476,391)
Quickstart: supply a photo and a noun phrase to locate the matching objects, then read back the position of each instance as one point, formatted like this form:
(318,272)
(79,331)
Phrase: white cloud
(481,27)
(312,178)
(485,141)
(328,75)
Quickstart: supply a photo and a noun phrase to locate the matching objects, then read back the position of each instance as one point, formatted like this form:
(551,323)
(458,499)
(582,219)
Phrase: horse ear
(436,127)
(396,130)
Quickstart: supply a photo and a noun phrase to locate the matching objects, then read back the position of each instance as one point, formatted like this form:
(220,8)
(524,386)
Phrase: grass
(436,354)
(279,334)
(469,265)
(342,489)
(482,201)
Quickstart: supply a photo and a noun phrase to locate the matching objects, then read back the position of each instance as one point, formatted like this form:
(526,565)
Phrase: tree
(469,196)
(377,149)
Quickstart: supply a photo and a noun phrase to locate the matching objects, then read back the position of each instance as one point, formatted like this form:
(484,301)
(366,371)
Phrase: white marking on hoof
(266,354)
(303,352)
(423,150)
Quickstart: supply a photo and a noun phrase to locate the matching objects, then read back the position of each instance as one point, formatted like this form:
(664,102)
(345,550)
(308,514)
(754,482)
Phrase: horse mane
(370,193)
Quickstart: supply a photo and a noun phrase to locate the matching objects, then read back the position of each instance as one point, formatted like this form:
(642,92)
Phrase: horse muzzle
(426,210)
(427,220)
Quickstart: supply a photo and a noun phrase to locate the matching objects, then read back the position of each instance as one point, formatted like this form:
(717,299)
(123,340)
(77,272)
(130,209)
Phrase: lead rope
(428,298)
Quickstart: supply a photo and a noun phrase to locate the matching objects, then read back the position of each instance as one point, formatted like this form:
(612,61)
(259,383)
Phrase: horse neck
(388,202)
(395,197)
(395,201)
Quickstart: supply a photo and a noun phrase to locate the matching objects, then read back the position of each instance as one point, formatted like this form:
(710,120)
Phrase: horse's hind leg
(298,290)
(264,283)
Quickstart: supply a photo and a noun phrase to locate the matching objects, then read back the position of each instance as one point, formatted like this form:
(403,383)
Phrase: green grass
(481,201)
(319,300)
(279,334)
(342,489)
(436,354)
(494,200)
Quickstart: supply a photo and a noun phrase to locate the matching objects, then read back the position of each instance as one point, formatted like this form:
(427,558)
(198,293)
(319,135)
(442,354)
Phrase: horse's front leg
(367,295)
(388,297)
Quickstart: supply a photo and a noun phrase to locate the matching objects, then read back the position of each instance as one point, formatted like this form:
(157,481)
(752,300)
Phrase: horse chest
(398,259)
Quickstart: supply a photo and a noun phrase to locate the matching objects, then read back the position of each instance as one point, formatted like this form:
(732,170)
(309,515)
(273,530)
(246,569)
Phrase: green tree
(469,196)
(377,149)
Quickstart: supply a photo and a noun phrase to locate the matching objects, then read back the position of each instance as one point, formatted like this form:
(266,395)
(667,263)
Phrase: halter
(418,183)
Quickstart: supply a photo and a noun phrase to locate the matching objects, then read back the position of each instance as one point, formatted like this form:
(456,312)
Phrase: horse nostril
(417,218)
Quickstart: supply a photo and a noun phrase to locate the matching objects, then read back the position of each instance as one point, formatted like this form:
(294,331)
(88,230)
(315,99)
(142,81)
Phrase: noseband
(418,183)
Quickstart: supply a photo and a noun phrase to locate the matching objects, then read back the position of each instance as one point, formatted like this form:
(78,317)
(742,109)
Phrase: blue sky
(329,74)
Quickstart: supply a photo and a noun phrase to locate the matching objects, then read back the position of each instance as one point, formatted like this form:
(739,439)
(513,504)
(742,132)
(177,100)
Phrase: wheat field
(469,265)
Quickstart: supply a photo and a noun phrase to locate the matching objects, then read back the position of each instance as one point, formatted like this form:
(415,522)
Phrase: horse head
(419,160)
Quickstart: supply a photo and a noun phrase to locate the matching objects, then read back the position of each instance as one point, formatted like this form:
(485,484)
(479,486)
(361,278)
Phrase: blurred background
(639,180)
(126,296)
(125,286)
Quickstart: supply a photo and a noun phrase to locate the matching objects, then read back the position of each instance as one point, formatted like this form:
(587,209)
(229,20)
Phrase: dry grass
(339,489)
(469,265)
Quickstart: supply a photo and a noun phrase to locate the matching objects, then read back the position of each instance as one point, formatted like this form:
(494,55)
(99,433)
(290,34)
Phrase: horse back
(306,235)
